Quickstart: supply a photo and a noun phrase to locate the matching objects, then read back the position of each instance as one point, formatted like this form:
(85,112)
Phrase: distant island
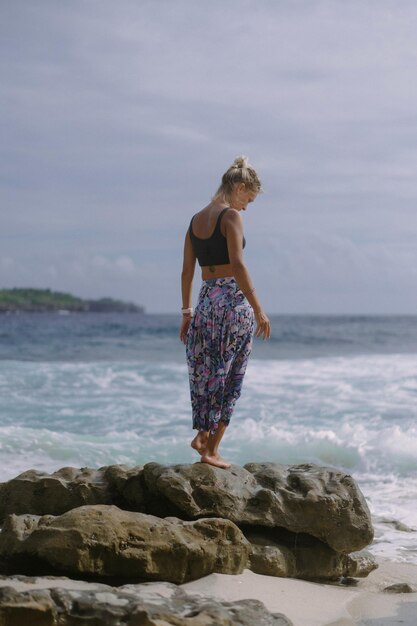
(45,300)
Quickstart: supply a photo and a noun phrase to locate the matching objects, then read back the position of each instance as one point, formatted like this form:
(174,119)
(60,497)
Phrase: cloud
(119,120)
(6,263)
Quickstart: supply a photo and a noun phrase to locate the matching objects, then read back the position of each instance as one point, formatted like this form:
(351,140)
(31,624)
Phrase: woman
(218,336)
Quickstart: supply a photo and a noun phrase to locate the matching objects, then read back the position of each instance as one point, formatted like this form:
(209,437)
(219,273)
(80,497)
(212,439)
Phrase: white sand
(321,604)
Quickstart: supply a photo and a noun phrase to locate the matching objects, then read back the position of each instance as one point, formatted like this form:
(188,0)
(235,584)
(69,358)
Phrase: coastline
(181,523)
(308,603)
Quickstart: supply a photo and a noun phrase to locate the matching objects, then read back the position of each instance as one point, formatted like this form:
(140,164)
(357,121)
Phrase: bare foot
(199,442)
(215,459)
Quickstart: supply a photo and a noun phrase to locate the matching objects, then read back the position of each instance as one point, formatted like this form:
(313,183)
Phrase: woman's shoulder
(229,211)
(232,216)
(231,220)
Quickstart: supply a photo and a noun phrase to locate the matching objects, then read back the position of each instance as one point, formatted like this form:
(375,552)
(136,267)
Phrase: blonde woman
(218,337)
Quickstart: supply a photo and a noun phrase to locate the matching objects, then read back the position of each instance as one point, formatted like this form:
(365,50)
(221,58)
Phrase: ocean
(96,389)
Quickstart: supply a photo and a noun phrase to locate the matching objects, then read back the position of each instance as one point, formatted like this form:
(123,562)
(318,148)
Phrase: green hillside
(44,300)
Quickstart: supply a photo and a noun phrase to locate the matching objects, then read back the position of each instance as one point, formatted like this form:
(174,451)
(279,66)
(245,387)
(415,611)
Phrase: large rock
(301,520)
(40,493)
(320,501)
(102,541)
(274,554)
(64,602)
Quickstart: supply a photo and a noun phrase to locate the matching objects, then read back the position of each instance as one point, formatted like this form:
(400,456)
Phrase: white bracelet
(188,311)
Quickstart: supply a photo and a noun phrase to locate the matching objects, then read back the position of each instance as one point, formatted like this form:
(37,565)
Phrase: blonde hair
(239,172)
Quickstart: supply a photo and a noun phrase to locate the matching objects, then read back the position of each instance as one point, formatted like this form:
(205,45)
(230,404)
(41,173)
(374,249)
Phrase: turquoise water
(95,389)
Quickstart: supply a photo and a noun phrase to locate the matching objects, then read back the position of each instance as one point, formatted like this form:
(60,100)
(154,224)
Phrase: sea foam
(356,413)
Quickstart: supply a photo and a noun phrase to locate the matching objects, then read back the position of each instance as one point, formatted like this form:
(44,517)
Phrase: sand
(363,602)
(323,604)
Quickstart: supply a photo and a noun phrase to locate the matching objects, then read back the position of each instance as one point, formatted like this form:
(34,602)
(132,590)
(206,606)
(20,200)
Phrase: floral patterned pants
(219,342)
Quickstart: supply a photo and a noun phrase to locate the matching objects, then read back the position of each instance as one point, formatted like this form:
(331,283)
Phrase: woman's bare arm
(234,235)
(187,276)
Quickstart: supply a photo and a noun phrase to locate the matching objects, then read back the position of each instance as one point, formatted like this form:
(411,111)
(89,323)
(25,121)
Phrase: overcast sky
(119,118)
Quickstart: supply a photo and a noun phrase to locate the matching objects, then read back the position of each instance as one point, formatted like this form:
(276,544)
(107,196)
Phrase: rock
(273,561)
(198,490)
(299,520)
(20,609)
(104,541)
(124,486)
(399,588)
(360,564)
(311,559)
(149,604)
(318,501)
(40,493)
(325,563)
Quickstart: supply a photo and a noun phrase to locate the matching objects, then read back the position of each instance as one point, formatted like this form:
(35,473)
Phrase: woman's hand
(263,325)
(185,324)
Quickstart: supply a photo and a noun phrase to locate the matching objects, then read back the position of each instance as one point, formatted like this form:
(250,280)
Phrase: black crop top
(212,250)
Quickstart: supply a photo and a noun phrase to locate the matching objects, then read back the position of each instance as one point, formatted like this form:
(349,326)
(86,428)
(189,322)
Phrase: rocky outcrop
(320,501)
(40,493)
(302,521)
(104,541)
(48,602)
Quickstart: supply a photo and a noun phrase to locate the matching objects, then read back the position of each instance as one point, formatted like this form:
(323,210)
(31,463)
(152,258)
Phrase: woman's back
(204,222)
(212,250)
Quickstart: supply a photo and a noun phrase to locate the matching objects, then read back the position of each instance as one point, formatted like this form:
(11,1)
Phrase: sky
(118,120)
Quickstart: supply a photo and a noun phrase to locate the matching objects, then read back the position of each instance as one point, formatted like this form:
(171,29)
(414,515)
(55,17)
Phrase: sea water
(341,391)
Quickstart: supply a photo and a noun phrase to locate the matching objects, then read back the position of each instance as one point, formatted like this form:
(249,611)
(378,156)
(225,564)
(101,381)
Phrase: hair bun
(241,161)
(239,172)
